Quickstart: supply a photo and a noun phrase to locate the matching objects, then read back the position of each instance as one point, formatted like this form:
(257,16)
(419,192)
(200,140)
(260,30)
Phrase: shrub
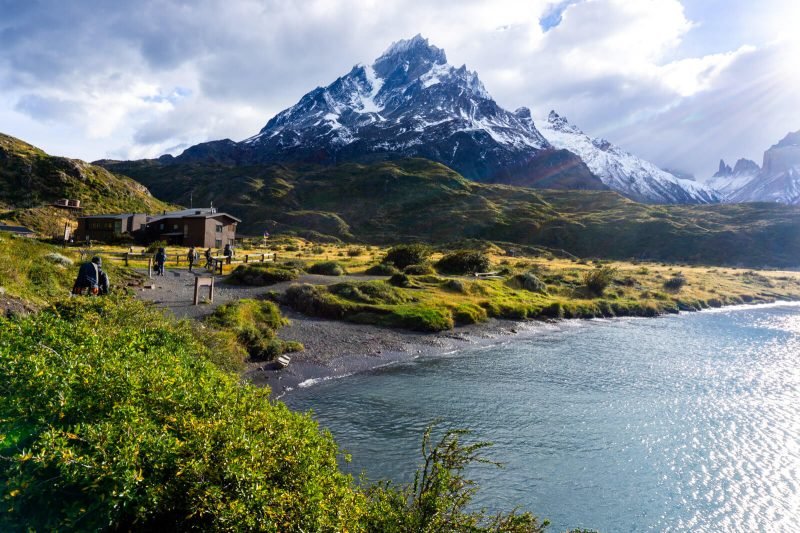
(404,255)
(455,285)
(258,275)
(382,269)
(327,268)
(422,269)
(400,280)
(440,497)
(292,248)
(58,259)
(598,279)
(354,252)
(463,262)
(315,301)
(292,264)
(317,250)
(419,318)
(675,283)
(112,419)
(256,323)
(369,292)
(531,282)
(468,313)
(155,245)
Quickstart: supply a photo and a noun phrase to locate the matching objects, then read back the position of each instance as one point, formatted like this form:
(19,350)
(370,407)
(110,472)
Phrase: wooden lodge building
(201,227)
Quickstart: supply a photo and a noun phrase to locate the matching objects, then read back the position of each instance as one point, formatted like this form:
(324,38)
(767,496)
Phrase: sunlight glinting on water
(684,423)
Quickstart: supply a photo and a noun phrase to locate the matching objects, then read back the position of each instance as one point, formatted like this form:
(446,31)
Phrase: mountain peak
(417,47)
(791,139)
(560,123)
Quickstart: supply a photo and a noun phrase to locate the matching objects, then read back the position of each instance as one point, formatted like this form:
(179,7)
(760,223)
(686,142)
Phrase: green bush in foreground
(463,262)
(112,419)
(440,496)
(327,268)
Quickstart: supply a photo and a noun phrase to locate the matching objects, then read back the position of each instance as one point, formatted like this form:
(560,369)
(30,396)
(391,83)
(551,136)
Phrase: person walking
(228,253)
(192,256)
(160,259)
(208,258)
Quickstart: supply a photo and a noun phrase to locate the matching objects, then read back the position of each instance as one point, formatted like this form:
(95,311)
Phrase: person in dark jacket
(89,278)
(160,260)
(228,253)
(192,256)
(208,258)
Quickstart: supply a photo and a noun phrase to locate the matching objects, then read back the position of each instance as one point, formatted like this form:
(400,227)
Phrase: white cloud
(133,79)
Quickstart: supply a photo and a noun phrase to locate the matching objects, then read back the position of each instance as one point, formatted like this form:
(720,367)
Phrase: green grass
(535,288)
(30,180)
(416,200)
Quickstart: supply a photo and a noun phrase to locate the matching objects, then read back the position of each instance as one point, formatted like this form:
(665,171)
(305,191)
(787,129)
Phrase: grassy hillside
(421,200)
(31,180)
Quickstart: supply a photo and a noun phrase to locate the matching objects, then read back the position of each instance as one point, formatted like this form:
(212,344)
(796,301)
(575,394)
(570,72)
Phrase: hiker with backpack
(192,256)
(91,278)
(160,260)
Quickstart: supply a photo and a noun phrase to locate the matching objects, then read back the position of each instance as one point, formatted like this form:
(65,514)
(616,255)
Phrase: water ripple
(685,423)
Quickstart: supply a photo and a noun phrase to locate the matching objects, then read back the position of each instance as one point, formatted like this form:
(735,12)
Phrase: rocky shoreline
(336,349)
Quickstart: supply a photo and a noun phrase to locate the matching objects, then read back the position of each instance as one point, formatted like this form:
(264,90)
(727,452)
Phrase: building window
(218,243)
(161,226)
(219,228)
(174,226)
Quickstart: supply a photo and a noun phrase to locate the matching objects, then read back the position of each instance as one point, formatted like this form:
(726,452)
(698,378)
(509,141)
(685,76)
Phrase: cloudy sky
(682,83)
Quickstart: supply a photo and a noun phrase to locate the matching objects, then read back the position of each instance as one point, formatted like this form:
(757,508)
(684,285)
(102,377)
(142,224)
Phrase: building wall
(100,229)
(200,232)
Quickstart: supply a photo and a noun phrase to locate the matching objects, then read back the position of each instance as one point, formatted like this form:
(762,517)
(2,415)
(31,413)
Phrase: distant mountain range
(623,172)
(411,103)
(777,180)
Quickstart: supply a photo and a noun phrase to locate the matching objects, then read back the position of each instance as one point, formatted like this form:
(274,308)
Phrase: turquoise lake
(681,423)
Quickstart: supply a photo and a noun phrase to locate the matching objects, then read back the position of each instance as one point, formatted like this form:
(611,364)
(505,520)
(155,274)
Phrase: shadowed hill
(31,180)
(417,199)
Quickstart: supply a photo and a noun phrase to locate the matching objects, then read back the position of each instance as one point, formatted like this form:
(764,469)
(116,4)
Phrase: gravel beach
(332,348)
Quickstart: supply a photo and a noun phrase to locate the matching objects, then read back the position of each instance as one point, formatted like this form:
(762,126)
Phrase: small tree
(440,496)
(404,255)
(676,282)
(598,279)
(463,262)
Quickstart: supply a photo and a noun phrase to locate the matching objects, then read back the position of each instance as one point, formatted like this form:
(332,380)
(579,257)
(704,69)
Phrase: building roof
(118,216)
(17,229)
(169,216)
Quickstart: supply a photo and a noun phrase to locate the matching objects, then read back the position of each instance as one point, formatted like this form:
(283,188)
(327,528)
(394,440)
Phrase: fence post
(246,258)
(126,258)
(263,258)
(150,267)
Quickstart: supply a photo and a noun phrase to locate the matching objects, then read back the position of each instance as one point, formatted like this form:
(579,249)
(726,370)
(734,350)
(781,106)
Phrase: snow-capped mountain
(409,103)
(728,181)
(778,179)
(624,172)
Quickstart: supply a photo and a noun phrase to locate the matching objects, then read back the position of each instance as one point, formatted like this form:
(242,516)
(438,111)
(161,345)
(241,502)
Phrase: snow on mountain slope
(779,178)
(623,172)
(728,181)
(410,103)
